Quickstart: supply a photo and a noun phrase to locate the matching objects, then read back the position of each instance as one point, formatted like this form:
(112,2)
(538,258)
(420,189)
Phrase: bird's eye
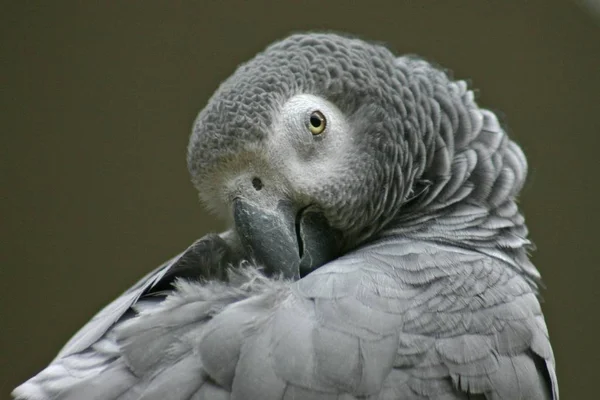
(317,123)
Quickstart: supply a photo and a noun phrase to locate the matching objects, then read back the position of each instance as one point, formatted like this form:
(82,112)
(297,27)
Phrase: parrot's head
(317,143)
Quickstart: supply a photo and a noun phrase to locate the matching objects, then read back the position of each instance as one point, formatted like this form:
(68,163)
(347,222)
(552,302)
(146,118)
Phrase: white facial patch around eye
(292,124)
(306,159)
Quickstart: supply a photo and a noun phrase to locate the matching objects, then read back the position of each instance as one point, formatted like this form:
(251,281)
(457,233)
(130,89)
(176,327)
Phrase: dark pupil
(315,121)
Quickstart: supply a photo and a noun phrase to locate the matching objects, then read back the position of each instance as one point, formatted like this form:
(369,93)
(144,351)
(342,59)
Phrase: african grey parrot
(376,249)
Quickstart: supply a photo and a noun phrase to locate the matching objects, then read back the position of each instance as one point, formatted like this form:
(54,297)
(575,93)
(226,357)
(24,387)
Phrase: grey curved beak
(286,240)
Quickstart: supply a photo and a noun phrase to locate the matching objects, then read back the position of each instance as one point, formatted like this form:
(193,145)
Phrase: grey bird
(375,249)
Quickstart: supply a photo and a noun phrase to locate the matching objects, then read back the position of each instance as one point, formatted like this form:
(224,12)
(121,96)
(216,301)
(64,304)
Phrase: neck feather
(466,196)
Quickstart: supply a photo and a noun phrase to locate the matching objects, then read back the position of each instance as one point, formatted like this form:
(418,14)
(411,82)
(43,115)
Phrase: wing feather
(375,324)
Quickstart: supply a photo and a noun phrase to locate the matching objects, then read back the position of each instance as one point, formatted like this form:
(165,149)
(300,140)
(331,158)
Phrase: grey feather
(433,297)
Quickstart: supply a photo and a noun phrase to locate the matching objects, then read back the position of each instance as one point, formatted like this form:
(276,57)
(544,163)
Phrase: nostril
(257,183)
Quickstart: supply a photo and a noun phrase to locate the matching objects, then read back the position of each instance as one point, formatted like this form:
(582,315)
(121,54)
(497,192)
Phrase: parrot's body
(376,249)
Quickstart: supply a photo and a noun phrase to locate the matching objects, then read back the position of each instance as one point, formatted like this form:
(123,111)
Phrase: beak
(286,240)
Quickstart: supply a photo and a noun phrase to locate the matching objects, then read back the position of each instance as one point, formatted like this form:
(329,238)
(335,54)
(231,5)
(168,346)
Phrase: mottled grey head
(393,128)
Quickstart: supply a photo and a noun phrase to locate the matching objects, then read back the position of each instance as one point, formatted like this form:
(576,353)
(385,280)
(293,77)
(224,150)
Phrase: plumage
(425,291)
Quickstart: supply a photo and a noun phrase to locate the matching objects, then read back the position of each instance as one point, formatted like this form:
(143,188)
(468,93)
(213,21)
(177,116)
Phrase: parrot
(374,247)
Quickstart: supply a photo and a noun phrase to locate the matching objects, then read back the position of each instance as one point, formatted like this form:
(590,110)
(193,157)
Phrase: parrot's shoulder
(419,317)
(94,356)
(199,260)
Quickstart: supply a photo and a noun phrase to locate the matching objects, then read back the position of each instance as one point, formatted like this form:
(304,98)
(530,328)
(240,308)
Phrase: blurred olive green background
(96,107)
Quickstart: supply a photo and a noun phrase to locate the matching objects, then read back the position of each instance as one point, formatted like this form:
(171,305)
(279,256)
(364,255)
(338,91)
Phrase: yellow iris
(317,123)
